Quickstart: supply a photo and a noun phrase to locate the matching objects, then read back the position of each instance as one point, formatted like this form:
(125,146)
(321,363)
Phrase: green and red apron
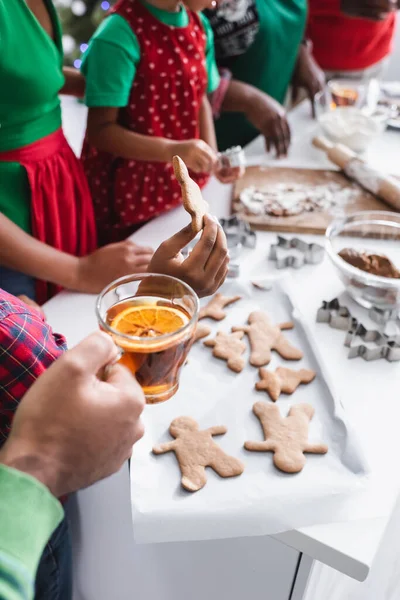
(61,206)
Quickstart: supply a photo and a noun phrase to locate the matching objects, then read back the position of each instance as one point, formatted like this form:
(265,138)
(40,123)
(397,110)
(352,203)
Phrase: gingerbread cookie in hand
(286,437)
(192,198)
(195,450)
(282,381)
(264,336)
(229,347)
(214,309)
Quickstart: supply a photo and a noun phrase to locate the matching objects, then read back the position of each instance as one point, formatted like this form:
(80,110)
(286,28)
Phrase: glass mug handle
(103,375)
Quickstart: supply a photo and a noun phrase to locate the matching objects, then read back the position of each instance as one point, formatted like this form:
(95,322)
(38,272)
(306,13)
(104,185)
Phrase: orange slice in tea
(149,321)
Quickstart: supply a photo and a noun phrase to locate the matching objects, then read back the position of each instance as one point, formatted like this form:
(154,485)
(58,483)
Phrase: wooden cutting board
(308,222)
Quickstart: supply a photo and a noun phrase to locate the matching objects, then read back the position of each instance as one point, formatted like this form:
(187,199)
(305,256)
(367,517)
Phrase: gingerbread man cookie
(229,347)
(214,309)
(282,381)
(195,450)
(193,201)
(201,332)
(286,437)
(264,336)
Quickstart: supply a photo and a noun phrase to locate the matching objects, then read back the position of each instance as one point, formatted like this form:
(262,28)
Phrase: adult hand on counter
(262,111)
(308,75)
(375,10)
(269,117)
(96,270)
(71,428)
(206,268)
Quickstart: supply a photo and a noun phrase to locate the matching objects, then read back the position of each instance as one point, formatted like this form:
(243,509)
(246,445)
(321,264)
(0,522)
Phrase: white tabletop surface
(367,390)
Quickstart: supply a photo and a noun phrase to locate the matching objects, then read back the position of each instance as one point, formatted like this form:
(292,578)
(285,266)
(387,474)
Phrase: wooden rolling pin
(384,186)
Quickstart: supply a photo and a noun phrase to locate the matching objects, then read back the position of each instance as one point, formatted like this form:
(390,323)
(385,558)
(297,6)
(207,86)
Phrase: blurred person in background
(352,38)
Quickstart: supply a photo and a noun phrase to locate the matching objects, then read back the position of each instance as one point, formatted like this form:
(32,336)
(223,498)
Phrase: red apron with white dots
(170,82)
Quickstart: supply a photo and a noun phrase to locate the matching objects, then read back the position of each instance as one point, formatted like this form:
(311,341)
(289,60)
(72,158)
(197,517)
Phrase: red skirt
(61,206)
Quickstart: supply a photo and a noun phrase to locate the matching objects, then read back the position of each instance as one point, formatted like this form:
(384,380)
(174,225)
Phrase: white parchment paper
(262,500)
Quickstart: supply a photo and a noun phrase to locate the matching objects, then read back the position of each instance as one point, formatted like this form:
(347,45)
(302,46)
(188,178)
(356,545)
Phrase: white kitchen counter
(367,390)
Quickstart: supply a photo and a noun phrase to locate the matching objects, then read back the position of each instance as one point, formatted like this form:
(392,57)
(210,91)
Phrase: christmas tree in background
(79,19)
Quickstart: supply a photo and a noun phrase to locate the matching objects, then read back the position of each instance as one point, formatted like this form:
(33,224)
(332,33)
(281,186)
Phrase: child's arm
(207,129)
(21,251)
(105,133)
(74,83)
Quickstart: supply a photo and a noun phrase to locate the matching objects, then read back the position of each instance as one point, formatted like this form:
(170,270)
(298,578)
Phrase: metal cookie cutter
(232,158)
(383,315)
(238,235)
(335,315)
(339,317)
(295,253)
(385,346)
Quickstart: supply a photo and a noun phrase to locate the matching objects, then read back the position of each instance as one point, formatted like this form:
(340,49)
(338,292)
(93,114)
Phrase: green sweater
(28,516)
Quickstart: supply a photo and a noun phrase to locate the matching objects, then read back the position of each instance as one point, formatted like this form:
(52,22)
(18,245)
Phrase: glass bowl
(376,232)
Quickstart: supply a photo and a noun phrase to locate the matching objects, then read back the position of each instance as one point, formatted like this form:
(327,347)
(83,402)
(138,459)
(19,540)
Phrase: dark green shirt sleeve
(28,516)
(212,69)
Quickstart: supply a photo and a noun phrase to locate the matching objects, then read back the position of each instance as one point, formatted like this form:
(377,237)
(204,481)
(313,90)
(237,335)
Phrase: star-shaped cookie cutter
(339,317)
(239,235)
(385,346)
(335,315)
(294,252)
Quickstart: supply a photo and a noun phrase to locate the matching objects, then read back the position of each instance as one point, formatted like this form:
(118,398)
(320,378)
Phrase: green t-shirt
(267,64)
(28,516)
(111,60)
(30,79)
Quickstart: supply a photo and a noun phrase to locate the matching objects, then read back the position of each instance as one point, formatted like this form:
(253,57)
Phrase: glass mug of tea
(152,319)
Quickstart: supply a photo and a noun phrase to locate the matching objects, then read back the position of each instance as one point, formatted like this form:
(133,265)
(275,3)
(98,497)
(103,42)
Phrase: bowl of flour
(352,126)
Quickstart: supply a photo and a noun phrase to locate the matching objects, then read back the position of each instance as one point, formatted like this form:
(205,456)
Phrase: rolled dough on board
(308,222)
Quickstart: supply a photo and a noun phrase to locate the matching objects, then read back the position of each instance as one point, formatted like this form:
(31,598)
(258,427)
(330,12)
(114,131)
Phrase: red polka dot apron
(165,99)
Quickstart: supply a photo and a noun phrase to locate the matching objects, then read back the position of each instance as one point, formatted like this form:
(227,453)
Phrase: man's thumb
(93,353)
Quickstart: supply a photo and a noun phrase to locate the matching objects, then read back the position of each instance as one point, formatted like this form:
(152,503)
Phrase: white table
(106,556)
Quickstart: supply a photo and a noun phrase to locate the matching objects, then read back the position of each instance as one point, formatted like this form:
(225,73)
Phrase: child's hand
(229,174)
(197,155)
(205,268)
(98,269)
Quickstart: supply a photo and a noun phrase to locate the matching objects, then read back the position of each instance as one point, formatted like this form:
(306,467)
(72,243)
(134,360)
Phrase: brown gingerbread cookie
(229,347)
(264,336)
(193,201)
(201,332)
(195,450)
(282,381)
(214,309)
(286,437)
